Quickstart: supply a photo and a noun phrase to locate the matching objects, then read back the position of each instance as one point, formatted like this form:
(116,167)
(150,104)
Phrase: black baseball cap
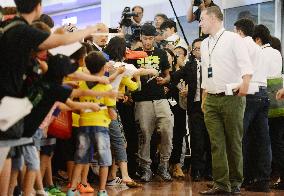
(148,30)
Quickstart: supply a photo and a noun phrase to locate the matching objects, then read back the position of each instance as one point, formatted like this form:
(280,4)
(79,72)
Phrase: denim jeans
(98,137)
(117,141)
(256,141)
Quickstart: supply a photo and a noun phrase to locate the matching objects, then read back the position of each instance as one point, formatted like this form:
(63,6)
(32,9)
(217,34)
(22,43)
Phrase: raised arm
(55,40)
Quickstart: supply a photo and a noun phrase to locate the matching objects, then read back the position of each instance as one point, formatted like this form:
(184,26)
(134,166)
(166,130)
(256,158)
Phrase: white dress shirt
(197,94)
(229,61)
(272,59)
(255,53)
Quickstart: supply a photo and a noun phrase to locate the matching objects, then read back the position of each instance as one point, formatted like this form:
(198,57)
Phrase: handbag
(276,108)
(61,126)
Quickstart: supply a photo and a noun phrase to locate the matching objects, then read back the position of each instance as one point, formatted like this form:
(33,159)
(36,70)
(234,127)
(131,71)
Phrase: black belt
(222,94)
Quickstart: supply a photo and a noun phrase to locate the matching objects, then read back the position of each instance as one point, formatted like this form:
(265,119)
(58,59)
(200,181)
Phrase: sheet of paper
(67,50)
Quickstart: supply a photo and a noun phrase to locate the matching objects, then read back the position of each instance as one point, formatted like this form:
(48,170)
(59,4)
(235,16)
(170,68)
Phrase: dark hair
(184,50)
(79,54)
(138,6)
(246,26)
(261,32)
(197,40)
(168,24)
(26,7)
(215,10)
(95,61)
(116,48)
(164,16)
(173,56)
(88,46)
(276,43)
(47,20)
(41,26)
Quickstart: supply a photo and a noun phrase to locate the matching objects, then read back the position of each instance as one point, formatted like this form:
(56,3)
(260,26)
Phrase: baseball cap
(148,30)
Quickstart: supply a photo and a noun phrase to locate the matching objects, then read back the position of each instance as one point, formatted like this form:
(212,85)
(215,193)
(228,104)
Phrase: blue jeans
(98,137)
(256,141)
(117,142)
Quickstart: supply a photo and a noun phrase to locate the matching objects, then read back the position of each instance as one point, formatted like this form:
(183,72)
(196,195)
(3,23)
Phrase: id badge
(210,72)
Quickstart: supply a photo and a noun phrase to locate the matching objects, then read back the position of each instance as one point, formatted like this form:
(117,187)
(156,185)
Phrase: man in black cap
(152,110)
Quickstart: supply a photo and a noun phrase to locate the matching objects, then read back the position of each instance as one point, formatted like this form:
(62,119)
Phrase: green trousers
(224,121)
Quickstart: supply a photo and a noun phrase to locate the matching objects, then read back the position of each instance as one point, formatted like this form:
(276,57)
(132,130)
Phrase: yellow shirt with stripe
(100,118)
(130,84)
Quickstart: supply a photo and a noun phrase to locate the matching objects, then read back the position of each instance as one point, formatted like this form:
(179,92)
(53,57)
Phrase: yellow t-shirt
(75,116)
(100,118)
(131,85)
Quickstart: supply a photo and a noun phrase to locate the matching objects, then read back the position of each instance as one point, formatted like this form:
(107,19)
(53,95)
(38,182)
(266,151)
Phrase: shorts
(47,150)
(93,136)
(27,154)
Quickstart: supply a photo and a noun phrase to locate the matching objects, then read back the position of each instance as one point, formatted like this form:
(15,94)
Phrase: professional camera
(126,17)
(197,2)
(130,29)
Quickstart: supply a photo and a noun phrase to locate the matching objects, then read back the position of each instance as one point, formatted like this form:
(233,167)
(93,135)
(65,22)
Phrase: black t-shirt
(52,93)
(150,90)
(15,50)
(197,14)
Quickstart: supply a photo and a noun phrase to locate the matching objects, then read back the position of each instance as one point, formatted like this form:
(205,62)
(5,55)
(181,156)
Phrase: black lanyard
(210,53)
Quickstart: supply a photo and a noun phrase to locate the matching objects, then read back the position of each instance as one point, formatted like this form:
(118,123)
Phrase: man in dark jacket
(199,140)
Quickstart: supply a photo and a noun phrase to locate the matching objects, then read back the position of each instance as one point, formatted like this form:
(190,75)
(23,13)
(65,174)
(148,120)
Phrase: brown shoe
(177,171)
(215,191)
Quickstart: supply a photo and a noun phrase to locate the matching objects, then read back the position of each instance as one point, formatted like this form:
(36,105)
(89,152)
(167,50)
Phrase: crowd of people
(131,107)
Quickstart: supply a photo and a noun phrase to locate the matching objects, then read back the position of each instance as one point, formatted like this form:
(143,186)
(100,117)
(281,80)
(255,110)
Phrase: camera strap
(181,28)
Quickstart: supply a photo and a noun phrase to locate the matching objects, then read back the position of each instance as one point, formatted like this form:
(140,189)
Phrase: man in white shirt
(271,58)
(224,60)
(256,140)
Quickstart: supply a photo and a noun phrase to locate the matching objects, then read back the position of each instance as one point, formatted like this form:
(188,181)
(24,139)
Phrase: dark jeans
(179,131)
(199,142)
(276,129)
(256,141)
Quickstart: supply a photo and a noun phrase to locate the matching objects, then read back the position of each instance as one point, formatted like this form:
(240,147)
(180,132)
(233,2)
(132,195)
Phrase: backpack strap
(10,26)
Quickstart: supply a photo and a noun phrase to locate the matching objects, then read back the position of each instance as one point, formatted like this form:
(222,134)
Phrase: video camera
(131,30)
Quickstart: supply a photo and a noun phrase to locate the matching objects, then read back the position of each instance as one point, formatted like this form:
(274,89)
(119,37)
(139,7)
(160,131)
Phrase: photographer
(138,10)
(202,4)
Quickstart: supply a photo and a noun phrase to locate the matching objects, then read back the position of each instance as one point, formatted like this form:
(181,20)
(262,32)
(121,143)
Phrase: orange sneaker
(85,188)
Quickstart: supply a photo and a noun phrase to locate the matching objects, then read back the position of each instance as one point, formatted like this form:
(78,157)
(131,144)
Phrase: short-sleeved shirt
(100,118)
(150,90)
(15,51)
(53,93)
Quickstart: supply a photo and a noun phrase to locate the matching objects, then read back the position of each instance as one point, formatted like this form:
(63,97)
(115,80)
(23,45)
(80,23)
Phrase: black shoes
(196,176)
(258,186)
(278,186)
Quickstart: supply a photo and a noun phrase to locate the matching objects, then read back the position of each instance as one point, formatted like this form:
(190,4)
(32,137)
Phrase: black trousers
(179,132)
(126,113)
(276,130)
(199,141)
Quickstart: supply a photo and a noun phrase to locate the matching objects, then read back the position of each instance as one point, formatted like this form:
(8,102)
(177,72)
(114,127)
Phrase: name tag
(210,72)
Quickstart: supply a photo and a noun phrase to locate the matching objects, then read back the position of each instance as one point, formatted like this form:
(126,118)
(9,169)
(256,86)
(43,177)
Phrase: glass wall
(263,13)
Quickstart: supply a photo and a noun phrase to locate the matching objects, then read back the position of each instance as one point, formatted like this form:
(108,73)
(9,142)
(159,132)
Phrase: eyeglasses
(196,49)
